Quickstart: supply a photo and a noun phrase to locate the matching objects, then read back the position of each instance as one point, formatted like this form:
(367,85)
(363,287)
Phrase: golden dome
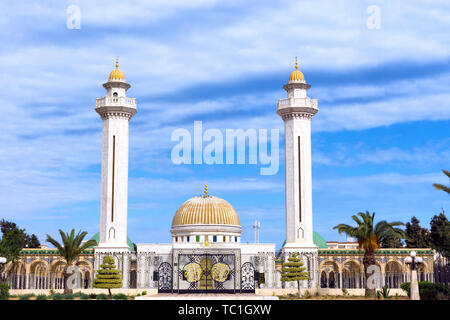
(116,74)
(296,75)
(205,210)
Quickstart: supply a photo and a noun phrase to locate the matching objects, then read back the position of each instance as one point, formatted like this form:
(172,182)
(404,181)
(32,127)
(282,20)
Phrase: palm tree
(370,238)
(70,249)
(441,186)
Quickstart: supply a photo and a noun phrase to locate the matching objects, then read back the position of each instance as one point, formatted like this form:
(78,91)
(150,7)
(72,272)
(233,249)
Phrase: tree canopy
(416,236)
(108,277)
(30,241)
(440,234)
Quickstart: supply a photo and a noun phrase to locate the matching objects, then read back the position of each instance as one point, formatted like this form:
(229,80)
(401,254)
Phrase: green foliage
(406,286)
(384,292)
(440,234)
(77,294)
(102,296)
(92,296)
(429,290)
(68,296)
(378,294)
(56,296)
(144,293)
(293,270)
(11,244)
(307,295)
(84,296)
(4,291)
(108,276)
(120,296)
(28,241)
(416,236)
(41,297)
(72,245)
(344,292)
(371,236)
(26,296)
(441,186)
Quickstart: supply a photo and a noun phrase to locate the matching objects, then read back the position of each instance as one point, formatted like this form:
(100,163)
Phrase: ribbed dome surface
(116,74)
(206,210)
(296,76)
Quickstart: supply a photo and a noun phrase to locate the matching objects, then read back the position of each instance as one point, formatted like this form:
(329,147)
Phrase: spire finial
(117,62)
(206,190)
(296,63)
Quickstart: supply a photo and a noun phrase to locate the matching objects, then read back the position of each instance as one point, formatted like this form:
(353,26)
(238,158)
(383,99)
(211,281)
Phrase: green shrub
(307,294)
(406,286)
(102,296)
(93,296)
(25,296)
(77,294)
(120,296)
(41,297)
(344,292)
(56,296)
(144,293)
(68,296)
(383,292)
(429,290)
(84,296)
(4,291)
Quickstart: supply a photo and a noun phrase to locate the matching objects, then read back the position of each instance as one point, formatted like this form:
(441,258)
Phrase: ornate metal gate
(206,273)
(165,277)
(248,278)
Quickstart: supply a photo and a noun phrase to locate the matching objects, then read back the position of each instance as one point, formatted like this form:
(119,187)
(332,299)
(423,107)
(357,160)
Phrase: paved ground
(205,296)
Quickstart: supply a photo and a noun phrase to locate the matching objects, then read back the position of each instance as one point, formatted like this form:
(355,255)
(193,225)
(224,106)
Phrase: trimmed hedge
(4,291)
(429,290)
(120,296)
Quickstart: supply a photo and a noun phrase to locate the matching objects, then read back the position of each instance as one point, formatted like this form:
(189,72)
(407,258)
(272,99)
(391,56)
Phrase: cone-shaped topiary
(108,276)
(293,270)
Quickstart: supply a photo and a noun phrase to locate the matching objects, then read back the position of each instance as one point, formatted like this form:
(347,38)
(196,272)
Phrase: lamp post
(414,262)
(3,261)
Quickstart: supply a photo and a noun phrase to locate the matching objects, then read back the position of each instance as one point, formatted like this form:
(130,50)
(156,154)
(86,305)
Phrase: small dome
(206,210)
(116,74)
(296,75)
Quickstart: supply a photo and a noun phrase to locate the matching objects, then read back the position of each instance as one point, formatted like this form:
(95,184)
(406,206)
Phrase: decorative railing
(50,251)
(387,251)
(116,101)
(298,101)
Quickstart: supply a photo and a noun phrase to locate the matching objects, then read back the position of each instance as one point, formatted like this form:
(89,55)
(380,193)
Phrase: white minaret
(116,111)
(256,226)
(297,111)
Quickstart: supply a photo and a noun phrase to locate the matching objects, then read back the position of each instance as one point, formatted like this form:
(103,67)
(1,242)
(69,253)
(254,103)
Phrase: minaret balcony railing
(115,101)
(297,102)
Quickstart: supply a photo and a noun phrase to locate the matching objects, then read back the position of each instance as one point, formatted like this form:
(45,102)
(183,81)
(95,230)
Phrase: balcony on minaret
(116,102)
(297,105)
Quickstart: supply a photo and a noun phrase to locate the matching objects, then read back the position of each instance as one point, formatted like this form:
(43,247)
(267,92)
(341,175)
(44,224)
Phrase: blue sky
(380,138)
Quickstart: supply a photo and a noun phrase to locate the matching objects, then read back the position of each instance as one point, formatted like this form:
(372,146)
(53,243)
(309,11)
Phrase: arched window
(112,233)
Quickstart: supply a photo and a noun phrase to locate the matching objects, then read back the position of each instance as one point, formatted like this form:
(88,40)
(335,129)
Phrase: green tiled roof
(96,237)
(319,241)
